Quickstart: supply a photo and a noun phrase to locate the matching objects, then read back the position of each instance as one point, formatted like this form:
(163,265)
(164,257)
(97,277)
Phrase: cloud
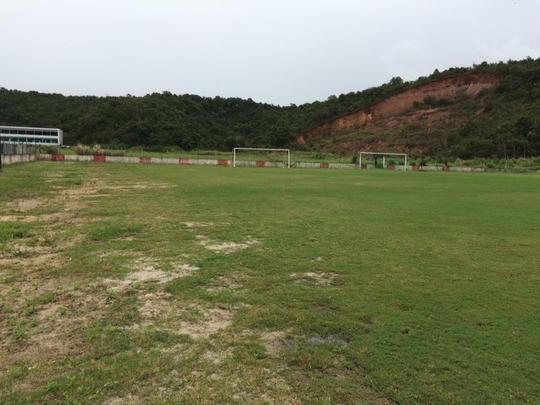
(404,50)
(512,49)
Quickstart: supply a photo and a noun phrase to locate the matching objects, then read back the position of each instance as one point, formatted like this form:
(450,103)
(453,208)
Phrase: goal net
(261,157)
(382,160)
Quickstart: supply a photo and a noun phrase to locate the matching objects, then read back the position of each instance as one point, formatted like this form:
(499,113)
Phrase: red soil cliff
(448,89)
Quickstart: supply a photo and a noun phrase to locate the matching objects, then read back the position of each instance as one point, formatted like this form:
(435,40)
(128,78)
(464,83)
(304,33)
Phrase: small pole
(288,159)
(405,168)
(360,161)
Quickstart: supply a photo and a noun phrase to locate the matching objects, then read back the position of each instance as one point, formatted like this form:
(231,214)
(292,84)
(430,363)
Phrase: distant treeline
(509,124)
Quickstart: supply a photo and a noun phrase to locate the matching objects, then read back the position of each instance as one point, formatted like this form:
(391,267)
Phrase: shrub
(89,150)
(50,150)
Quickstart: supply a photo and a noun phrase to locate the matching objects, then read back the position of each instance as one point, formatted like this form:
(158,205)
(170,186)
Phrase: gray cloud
(276,51)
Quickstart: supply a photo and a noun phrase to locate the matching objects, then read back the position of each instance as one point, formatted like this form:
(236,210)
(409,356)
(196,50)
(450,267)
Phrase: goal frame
(266,150)
(384,155)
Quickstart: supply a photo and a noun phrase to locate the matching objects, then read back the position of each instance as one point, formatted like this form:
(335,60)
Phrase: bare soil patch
(225,247)
(49,260)
(217,356)
(127,400)
(213,321)
(45,251)
(162,311)
(195,225)
(223,283)
(273,342)
(148,270)
(319,278)
(58,216)
(25,204)
(327,340)
(155,306)
(58,319)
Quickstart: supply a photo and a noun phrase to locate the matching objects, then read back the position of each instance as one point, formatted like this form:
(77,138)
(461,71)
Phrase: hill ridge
(447,88)
(500,119)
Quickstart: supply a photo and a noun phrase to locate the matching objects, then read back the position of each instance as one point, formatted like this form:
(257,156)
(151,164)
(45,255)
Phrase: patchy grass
(129,283)
(111,230)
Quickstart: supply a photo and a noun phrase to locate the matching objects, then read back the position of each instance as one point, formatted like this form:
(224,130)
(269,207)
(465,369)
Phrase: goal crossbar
(383,154)
(263,150)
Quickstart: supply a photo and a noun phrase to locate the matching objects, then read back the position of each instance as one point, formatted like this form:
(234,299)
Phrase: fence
(11,153)
(16,149)
(18,155)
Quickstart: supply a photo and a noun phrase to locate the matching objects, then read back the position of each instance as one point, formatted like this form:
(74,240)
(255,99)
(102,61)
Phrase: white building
(31,135)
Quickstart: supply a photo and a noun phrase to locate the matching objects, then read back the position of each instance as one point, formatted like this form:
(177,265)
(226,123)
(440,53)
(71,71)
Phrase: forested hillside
(498,120)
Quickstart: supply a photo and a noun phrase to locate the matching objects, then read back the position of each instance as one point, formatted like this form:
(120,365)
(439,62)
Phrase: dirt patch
(34,218)
(225,283)
(70,199)
(136,186)
(26,204)
(148,270)
(48,312)
(162,311)
(49,260)
(183,269)
(326,340)
(195,225)
(155,305)
(127,400)
(212,321)
(57,320)
(314,278)
(274,389)
(179,350)
(225,247)
(273,342)
(150,274)
(42,252)
(113,253)
(73,198)
(217,356)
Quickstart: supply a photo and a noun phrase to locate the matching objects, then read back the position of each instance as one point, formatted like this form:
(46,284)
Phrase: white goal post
(384,155)
(288,151)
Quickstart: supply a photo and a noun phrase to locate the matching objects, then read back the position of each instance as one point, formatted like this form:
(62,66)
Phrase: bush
(88,150)
(50,150)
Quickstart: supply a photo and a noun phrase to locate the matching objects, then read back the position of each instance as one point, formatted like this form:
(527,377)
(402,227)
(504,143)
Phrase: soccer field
(126,283)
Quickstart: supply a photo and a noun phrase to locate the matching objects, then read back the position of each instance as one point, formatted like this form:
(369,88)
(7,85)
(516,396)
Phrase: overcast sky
(277,51)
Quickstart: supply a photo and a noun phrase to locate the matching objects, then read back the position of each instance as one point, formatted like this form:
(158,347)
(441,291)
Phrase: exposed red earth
(399,111)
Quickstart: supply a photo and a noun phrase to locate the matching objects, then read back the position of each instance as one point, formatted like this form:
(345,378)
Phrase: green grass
(405,287)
